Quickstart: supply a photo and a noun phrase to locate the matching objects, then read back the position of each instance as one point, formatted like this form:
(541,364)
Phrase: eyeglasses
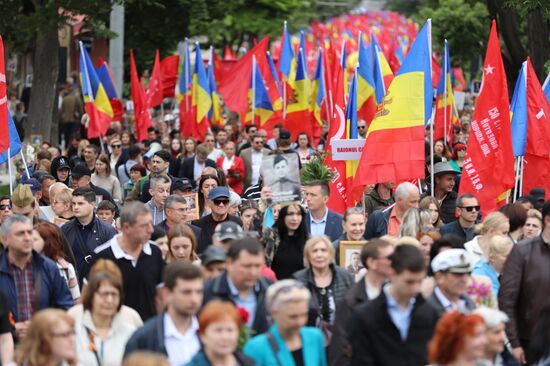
(5,207)
(470,208)
(116,146)
(67,334)
(258,142)
(219,202)
(361,127)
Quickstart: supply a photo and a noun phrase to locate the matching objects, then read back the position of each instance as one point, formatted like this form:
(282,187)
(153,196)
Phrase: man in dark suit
(374,257)
(242,283)
(321,220)
(191,168)
(394,329)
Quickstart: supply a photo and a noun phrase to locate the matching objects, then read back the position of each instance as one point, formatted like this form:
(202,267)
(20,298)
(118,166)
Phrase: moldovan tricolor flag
(202,98)
(536,171)
(96,101)
(394,150)
(489,163)
(4,130)
(445,103)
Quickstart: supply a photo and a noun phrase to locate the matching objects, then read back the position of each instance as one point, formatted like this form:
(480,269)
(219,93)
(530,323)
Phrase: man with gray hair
(139,259)
(160,190)
(30,281)
(388,220)
(175,209)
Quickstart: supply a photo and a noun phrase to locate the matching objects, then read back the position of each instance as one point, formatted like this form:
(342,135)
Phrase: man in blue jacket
(321,220)
(31,281)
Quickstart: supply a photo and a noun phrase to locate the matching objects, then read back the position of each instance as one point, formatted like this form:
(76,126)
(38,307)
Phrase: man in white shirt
(174,333)
(213,152)
(253,157)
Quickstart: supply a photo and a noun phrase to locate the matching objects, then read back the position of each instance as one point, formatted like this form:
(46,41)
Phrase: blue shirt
(401,318)
(483,268)
(318,227)
(249,303)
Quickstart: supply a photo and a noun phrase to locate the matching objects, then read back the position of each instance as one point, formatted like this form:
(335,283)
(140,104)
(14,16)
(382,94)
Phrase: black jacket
(454,228)
(377,225)
(376,341)
(206,223)
(101,233)
(448,207)
(187,168)
(150,337)
(340,347)
(218,288)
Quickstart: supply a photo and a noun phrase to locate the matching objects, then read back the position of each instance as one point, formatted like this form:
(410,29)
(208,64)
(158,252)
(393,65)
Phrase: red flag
(4,130)
(460,83)
(234,86)
(337,199)
(155,90)
(436,72)
(536,172)
(489,163)
(169,72)
(141,112)
(228,54)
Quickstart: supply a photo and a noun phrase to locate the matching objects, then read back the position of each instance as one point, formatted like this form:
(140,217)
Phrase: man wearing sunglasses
(362,129)
(5,208)
(219,197)
(468,210)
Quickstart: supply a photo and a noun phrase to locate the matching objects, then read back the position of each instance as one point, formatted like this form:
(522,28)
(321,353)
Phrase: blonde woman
(50,341)
(491,266)
(495,223)
(327,283)
(61,203)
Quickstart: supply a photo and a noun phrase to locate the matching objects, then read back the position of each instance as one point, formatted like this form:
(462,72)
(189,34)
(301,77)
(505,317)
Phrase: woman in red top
(233,167)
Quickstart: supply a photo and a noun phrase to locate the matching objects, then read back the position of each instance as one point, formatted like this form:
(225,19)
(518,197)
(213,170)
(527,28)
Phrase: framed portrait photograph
(36,139)
(350,256)
(192,209)
(281,173)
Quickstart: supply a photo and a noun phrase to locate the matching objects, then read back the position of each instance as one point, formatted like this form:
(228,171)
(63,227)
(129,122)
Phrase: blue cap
(33,183)
(218,192)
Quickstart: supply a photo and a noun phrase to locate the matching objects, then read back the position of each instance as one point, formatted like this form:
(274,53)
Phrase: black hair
(186,271)
(246,244)
(163,154)
(134,151)
(248,127)
(151,129)
(545,210)
(325,189)
(86,192)
(158,232)
(460,199)
(300,234)
(407,257)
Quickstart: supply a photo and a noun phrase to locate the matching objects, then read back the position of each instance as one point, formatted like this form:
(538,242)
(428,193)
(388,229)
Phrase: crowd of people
(171,251)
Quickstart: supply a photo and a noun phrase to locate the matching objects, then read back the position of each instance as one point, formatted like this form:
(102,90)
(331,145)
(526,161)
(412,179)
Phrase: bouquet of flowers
(481,293)
(245,332)
(232,172)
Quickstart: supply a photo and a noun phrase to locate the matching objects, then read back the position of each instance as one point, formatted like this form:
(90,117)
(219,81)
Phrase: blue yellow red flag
(366,98)
(394,150)
(318,89)
(186,76)
(14,141)
(215,113)
(273,71)
(446,113)
(287,54)
(96,101)
(201,91)
(297,110)
(381,67)
(260,102)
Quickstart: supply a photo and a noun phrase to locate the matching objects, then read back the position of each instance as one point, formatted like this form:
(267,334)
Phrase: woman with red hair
(219,326)
(458,340)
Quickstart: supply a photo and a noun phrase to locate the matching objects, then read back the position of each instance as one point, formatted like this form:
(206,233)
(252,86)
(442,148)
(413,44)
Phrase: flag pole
(253,89)
(9,171)
(432,153)
(324,85)
(24,161)
(522,164)
(516,180)
(445,95)
(186,71)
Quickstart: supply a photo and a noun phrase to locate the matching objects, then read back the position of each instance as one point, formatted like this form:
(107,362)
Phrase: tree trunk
(42,107)
(537,30)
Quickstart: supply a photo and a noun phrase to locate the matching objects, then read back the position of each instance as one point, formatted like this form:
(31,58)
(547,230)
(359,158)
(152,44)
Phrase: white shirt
(474,249)
(215,154)
(181,347)
(257,158)
(197,170)
(227,163)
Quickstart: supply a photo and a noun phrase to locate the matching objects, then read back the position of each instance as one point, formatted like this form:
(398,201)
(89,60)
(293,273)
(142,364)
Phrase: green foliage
(316,170)
(464,23)
(523,7)
(21,21)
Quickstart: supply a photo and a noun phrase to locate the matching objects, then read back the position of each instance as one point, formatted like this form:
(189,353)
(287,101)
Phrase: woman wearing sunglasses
(288,342)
